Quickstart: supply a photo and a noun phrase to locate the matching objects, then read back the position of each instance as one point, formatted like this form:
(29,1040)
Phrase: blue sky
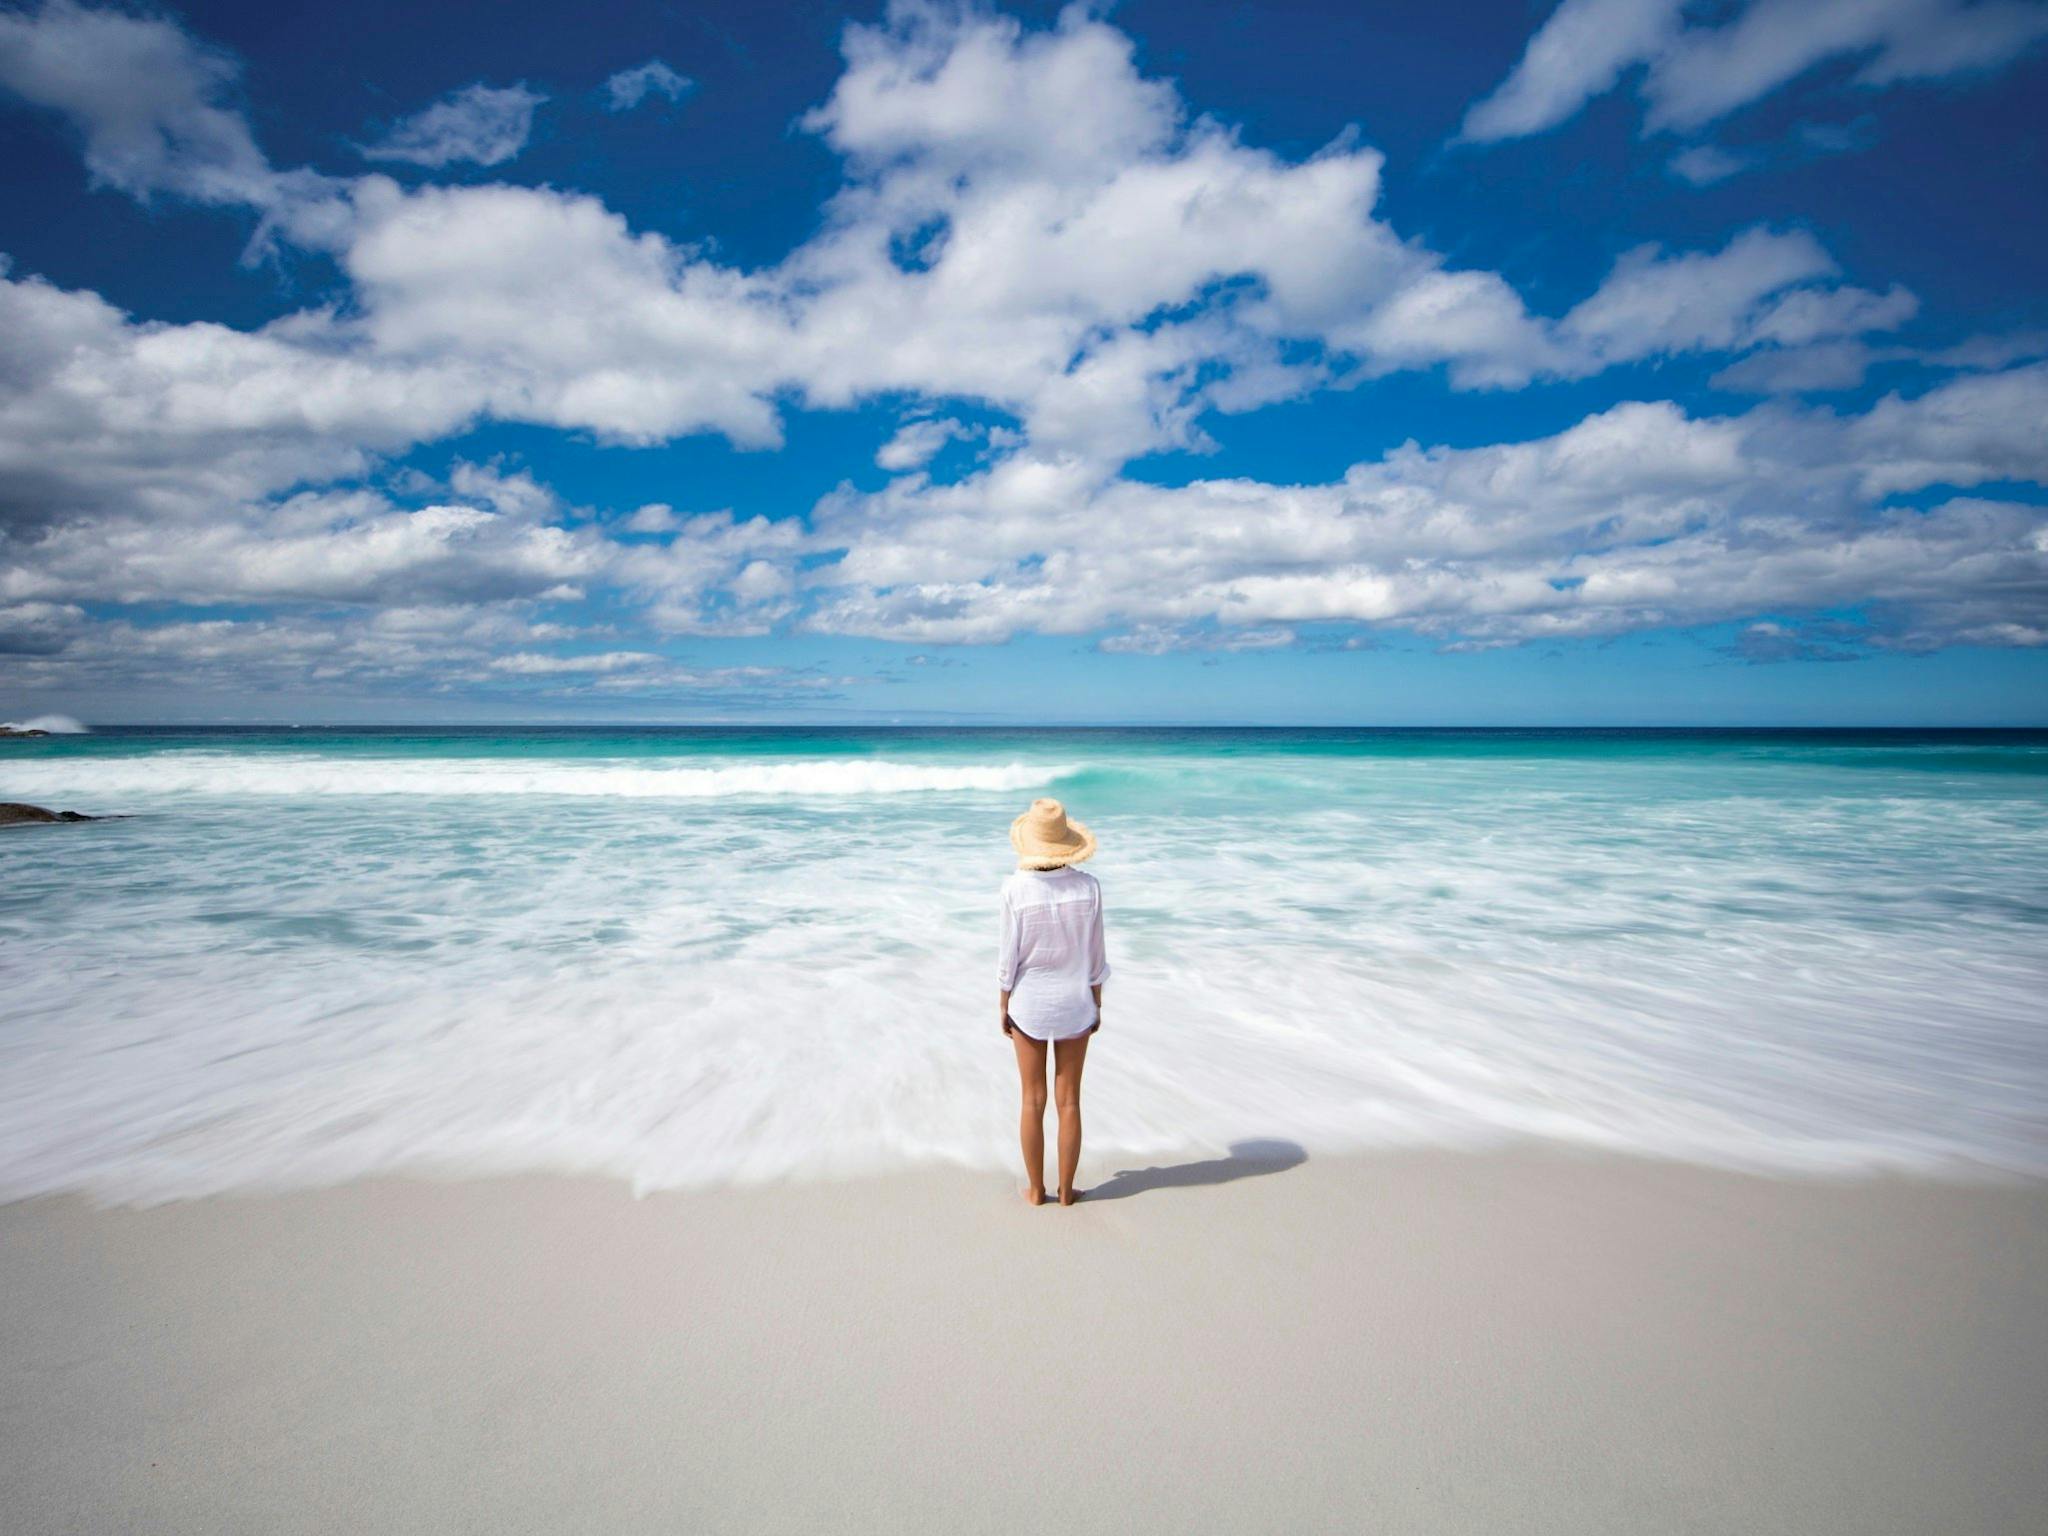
(1623,361)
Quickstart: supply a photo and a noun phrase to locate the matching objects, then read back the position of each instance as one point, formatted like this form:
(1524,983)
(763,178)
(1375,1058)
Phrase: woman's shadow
(1247,1160)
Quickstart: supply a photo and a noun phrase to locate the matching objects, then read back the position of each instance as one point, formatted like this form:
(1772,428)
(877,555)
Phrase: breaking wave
(1770,961)
(229,774)
(56,725)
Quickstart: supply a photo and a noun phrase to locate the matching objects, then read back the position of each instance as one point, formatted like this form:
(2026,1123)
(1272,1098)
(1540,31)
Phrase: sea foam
(183,773)
(1774,962)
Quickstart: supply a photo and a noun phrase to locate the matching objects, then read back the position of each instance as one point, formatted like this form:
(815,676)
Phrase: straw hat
(1045,839)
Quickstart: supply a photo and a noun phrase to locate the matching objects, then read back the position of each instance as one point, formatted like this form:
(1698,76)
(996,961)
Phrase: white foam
(55,725)
(290,774)
(714,989)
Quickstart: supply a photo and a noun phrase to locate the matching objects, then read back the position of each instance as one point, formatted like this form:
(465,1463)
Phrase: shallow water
(681,957)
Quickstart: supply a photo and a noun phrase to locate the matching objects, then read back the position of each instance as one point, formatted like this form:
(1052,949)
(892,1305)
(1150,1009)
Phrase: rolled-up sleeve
(1098,952)
(1006,959)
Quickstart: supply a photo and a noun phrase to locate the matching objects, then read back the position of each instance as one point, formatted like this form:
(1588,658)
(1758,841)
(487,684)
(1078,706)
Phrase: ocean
(690,956)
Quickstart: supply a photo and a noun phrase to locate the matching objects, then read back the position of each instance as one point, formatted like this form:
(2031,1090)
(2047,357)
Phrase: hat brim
(1051,855)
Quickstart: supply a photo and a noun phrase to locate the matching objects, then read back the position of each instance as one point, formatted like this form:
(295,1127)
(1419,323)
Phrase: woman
(1051,975)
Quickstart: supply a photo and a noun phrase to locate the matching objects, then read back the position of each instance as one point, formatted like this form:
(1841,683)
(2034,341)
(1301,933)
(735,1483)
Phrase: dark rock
(8,730)
(14,814)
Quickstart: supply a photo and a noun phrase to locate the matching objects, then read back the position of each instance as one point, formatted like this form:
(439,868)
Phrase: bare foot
(1069,1196)
(1034,1197)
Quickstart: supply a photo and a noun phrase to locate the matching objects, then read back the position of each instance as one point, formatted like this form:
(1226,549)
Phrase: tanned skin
(1069,1057)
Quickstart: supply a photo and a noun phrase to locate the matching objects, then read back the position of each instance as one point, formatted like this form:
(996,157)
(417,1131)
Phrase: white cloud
(1579,53)
(543,664)
(655,517)
(1029,226)
(1700,72)
(629,87)
(1638,517)
(1056,204)
(1156,640)
(155,109)
(154,106)
(433,651)
(347,547)
(1979,428)
(1833,364)
(480,124)
(100,413)
(1807,315)
(718,575)
(1653,303)
(1714,70)
(916,443)
(1704,164)
(566,316)
(944,91)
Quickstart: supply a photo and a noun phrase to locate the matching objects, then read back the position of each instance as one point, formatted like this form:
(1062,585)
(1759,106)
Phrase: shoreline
(1535,1340)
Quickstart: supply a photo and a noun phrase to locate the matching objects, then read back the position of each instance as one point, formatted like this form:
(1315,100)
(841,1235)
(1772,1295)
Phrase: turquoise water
(690,956)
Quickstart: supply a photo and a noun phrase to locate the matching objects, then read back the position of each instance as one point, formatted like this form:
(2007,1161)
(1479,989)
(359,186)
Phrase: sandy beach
(1523,1341)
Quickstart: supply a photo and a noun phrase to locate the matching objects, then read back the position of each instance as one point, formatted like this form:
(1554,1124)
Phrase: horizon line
(1069,725)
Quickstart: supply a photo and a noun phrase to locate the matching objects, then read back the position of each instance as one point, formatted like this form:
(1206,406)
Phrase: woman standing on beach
(1051,973)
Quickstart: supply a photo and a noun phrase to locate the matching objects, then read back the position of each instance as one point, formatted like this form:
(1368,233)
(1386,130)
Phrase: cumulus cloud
(1638,517)
(629,87)
(1765,288)
(99,413)
(153,105)
(1028,223)
(1971,430)
(916,443)
(343,547)
(717,576)
(654,517)
(1697,72)
(1653,303)
(479,124)
(155,110)
(1028,226)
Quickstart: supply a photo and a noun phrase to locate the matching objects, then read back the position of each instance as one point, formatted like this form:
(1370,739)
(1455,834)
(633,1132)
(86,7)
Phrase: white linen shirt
(1052,951)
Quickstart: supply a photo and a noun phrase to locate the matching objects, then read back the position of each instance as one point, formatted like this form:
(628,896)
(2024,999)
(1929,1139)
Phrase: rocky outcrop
(9,730)
(15,814)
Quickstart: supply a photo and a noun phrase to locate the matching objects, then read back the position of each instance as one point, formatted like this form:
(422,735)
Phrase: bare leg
(1031,1121)
(1069,1056)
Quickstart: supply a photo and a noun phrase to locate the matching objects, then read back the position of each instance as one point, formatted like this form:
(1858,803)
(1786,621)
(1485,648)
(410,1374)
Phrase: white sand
(1509,1343)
